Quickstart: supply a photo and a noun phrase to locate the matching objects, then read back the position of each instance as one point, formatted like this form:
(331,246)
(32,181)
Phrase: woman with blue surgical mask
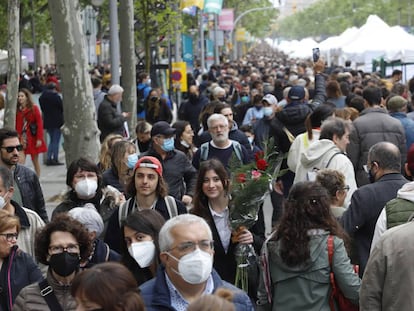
(139,244)
(123,159)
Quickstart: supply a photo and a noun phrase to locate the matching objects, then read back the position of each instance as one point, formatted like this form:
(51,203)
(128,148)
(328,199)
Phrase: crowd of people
(149,221)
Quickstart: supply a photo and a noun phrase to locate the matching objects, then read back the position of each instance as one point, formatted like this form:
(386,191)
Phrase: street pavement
(52,181)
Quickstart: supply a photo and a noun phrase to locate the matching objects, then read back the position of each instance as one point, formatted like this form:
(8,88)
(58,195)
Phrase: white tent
(298,49)
(376,40)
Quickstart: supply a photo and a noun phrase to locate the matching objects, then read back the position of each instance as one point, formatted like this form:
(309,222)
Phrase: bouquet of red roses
(249,187)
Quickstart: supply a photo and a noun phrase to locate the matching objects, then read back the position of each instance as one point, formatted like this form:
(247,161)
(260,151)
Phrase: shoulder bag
(337,297)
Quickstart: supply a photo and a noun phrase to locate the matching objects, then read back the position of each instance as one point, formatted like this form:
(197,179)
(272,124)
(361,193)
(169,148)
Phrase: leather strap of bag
(46,291)
(331,274)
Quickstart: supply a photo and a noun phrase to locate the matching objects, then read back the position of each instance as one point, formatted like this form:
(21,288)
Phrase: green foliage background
(331,17)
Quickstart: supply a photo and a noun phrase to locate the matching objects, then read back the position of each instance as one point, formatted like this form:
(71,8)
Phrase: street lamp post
(232,37)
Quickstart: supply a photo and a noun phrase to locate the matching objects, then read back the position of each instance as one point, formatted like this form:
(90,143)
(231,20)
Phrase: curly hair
(65,223)
(307,208)
(110,285)
(332,180)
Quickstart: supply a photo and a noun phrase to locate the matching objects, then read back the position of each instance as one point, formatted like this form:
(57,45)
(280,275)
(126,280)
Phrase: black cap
(162,128)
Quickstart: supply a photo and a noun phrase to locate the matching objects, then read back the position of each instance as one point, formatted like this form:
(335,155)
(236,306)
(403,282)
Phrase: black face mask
(193,97)
(64,264)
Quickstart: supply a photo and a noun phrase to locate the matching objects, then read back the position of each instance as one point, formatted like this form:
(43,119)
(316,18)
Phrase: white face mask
(86,188)
(267,111)
(250,139)
(3,201)
(195,267)
(142,252)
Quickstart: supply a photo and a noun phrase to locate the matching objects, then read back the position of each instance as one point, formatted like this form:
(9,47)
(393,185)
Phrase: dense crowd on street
(147,226)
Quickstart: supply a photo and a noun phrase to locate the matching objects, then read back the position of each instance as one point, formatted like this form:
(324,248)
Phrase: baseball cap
(296,92)
(271,99)
(396,103)
(162,128)
(150,162)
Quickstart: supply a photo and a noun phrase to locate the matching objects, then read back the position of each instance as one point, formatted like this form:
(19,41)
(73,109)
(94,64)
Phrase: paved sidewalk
(52,180)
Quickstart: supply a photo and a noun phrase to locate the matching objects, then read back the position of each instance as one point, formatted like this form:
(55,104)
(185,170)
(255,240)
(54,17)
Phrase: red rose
(241,178)
(258,155)
(261,164)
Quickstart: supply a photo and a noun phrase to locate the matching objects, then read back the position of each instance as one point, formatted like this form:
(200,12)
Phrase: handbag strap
(46,291)
(331,274)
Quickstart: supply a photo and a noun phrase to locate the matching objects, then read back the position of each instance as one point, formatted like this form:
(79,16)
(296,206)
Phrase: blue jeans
(53,149)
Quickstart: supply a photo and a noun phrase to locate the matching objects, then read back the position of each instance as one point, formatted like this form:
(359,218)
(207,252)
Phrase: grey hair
(218,90)
(217,117)
(335,126)
(165,238)
(89,217)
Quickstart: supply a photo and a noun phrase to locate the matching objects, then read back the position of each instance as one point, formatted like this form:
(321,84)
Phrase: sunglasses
(10,149)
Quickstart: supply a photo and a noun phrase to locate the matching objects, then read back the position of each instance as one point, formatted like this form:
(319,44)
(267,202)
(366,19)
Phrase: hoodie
(325,154)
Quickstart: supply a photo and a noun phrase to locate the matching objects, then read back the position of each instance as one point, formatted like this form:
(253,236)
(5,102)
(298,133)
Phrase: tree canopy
(331,17)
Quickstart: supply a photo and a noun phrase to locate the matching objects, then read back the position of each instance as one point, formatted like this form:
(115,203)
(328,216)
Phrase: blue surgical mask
(267,111)
(168,144)
(245,99)
(132,160)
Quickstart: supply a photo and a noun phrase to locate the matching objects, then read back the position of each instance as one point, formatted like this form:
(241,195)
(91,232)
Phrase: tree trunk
(128,60)
(13,63)
(80,130)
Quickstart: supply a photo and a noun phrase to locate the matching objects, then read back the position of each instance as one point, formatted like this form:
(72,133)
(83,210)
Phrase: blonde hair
(105,154)
(220,300)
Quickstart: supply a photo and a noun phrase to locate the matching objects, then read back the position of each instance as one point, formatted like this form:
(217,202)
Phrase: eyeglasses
(10,149)
(187,247)
(346,188)
(10,236)
(70,248)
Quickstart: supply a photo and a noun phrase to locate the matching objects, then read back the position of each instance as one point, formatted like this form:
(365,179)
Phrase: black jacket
(18,271)
(52,109)
(190,111)
(109,119)
(361,217)
(30,190)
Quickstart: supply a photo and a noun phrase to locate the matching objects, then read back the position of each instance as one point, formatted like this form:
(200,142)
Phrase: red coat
(32,116)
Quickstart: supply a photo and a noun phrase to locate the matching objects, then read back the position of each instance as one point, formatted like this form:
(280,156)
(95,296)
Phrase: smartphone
(315,53)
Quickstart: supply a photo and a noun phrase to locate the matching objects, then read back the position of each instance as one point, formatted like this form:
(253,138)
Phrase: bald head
(386,155)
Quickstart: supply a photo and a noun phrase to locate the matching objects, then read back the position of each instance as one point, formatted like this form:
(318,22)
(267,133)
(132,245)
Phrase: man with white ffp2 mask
(186,273)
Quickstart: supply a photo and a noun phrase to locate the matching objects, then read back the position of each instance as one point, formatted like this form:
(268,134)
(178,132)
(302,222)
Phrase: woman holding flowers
(211,202)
